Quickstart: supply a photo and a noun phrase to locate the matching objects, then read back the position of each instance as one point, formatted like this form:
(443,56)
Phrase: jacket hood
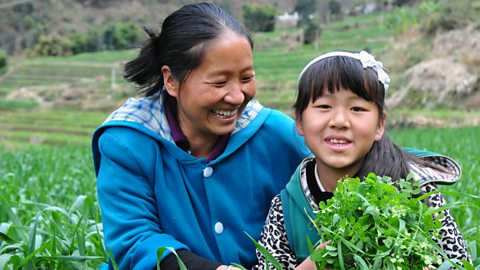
(447,172)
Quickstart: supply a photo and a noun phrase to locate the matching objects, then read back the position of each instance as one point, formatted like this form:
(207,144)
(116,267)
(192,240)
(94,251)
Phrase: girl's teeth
(337,141)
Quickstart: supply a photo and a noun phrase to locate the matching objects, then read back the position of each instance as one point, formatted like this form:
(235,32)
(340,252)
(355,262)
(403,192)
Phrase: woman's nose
(235,95)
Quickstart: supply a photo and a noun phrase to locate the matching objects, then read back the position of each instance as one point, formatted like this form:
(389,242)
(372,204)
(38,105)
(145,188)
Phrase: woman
(194,164)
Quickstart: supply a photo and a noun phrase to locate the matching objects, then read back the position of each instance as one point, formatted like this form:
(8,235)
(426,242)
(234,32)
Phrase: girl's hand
(308,264)
(324,244)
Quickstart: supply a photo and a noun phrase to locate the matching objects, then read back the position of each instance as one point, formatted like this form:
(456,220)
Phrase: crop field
(50,217)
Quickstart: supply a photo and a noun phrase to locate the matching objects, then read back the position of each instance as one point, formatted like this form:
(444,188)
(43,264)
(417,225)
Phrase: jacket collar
(150,113)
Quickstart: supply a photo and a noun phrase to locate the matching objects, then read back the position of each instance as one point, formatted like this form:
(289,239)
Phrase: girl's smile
(338,143)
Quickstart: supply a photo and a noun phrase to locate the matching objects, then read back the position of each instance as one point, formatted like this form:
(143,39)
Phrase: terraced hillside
(45,80)
(279,57)
(23,128)
(37,95)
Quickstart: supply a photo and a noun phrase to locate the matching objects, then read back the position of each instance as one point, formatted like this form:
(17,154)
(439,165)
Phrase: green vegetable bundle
(376,224)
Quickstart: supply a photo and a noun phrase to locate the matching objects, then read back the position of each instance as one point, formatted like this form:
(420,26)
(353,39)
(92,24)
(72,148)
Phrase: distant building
(288,19)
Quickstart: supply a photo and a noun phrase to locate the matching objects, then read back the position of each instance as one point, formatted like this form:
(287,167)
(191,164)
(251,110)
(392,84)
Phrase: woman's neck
(201,147)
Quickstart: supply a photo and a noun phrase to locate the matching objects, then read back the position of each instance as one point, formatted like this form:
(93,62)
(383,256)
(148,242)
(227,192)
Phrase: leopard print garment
(274,238)
(451,240)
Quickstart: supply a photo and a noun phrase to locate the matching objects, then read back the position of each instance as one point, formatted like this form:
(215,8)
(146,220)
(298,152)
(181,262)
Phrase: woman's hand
(227,267)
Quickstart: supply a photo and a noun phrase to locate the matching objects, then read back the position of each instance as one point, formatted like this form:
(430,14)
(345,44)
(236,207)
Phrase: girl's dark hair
(181,44)
(330,74)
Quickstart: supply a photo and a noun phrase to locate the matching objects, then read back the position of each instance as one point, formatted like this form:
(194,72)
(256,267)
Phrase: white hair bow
(365,58)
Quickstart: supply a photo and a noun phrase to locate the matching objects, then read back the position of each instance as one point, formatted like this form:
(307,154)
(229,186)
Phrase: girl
(340,113)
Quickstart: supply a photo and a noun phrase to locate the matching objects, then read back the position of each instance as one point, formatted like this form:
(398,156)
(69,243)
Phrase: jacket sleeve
(127,203)
(274,239)
(451,240)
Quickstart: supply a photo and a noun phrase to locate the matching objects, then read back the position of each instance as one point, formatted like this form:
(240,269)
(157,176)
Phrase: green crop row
(50,217)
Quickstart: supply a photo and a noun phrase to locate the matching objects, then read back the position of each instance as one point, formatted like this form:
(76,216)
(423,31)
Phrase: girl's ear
(299,125)
(171,85)
(381,127)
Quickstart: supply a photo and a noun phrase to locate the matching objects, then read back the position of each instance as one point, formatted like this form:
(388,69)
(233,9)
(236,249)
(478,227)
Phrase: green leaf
(112,259)
(335,219)
(445,266)
(160,252)
(28,260)
(467,265)
(239,266)
(78,204)
(402,224)
(340,255)
(268,256)
(330,248)
(361,263)
(6,233)
(4,260)
(310,246)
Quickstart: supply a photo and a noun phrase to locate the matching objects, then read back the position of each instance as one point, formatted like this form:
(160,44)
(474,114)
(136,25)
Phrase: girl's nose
(339,119)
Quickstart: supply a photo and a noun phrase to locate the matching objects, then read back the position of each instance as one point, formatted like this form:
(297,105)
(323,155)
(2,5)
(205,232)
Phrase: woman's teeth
(224,114)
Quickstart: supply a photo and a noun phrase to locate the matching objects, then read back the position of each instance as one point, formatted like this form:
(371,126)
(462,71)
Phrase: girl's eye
(358,109)
(323,106)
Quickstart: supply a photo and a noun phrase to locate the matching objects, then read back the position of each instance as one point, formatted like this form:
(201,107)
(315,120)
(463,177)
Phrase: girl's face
(213,96)
(340,129)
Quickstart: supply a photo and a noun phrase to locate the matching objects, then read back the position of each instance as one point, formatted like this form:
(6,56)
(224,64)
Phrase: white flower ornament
(364,57)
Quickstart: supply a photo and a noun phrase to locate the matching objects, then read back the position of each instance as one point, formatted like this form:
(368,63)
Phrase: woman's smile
(225,114)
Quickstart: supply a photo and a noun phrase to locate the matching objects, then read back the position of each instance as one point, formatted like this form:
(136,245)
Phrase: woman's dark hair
(330,74)
(181,44)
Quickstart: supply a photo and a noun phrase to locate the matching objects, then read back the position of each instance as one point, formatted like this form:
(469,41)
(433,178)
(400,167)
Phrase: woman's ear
(381,127)
(171,85)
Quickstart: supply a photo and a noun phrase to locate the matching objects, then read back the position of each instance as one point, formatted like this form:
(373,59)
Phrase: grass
(456,143)
(50,217)
(49,214)
(10,105)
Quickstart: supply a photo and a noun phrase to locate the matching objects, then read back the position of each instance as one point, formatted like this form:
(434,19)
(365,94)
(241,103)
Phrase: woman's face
(340,129)
(213,96)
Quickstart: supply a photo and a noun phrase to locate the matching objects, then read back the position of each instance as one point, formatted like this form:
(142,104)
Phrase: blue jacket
(152,194)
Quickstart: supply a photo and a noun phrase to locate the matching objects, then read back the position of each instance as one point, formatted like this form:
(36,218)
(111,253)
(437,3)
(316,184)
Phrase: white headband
(365,58)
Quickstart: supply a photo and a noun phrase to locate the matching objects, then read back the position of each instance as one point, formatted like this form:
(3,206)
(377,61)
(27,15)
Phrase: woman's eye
(219,83)
(247,79)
